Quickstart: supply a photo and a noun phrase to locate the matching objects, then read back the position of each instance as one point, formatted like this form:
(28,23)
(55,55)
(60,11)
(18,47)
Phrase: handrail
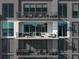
(32,34)
(36,15)
(37,52)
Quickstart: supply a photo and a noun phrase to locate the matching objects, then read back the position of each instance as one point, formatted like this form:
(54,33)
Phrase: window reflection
(35,29)
(62,28)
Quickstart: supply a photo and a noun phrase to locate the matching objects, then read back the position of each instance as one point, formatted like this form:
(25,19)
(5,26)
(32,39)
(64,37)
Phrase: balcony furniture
(42,34)
(43,52)
(22,52)
(30,52)
(38,34)
(20,34)
(47,16)
(74,49)
(23,16)
(40,15)
(38,52)
(46,51)
(53,52)
(30,15)
(52,35)
(26,34)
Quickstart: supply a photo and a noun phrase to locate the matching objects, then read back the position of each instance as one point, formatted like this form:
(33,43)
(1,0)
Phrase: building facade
(39,29)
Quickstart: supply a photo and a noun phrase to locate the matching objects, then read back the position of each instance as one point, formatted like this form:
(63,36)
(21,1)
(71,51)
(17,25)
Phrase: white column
(16,28)
(55,27)
(68,32)
(49,27)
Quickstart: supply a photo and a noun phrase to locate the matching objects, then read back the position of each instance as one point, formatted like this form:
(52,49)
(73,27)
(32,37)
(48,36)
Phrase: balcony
(37,15)
(37,53)
(36,35)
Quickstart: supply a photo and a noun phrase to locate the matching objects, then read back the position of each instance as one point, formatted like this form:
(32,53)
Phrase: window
(62,45)
(63,57)
(7,56)
(75,28)
(44,8)
(4,32)
(75,43)
(75,10)
(11,29)
(32,8)
(5,45)
(35,28)
(7,28)
(26,8)
(62,10)
(62,28)
(8,10)
(35,8)
(4,28)
(75,56)
(36,44)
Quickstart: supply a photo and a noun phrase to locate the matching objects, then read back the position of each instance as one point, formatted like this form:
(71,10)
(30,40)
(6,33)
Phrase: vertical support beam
(49,27)
(55,27)
(15,48)
(16,28)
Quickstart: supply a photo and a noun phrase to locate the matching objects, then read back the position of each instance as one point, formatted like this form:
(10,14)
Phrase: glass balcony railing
(37,52)
(36,15)
(36,34)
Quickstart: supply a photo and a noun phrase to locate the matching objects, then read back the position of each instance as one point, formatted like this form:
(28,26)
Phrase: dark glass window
(65,29)
(75,45)
(11,10)
(62,10)
(32,28)
(35,9)
(75,28)
(62,28)
(38,28)
(5,45)
(7,28)
(38,8)
(44,8)
(63,57)
(26,28)
(75,56)
(75,10)
(11,32)
(26,8)
(62,45)
(11,29)
(35,28)
(65,10)
(32,8)
(4,10)
(4,27)
(4,32)
(8,10)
